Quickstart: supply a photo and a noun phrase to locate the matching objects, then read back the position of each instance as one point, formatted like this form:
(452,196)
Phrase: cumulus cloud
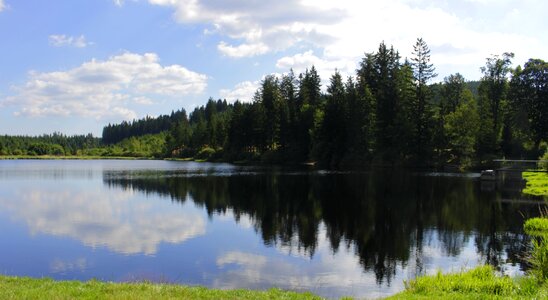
(103,89)
(243,91)
(343,30)
(243,50)
(324,66)
(260,26)
(61,40)
(2,5)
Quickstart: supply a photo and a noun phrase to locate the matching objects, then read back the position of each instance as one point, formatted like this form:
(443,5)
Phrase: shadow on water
(387,217)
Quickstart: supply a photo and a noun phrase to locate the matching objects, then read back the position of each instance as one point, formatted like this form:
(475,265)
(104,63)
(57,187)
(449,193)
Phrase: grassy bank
(537,183)
(29,288)
(478,283)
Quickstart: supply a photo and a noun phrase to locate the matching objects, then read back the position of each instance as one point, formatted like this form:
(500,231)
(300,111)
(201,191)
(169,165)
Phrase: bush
(539,258)
(205,153)
(544,163)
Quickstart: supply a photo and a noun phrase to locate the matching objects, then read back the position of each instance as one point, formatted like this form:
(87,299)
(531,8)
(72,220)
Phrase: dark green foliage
(388,113)
(116,132)
(332,141)
(492,101)
(461,127)
(529,99)
(421,109)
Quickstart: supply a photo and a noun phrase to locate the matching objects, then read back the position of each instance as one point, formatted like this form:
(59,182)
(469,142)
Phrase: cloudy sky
(74,66)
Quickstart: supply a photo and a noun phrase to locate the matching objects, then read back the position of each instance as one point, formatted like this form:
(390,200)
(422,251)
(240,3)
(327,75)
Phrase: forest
(390,112)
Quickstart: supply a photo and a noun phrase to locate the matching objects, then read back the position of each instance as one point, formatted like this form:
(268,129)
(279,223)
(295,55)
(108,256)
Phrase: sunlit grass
(478,283)
(536,226)
(537,183)
(29,288)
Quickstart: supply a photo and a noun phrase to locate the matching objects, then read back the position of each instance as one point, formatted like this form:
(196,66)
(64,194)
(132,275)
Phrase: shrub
(205,153)
(544,163)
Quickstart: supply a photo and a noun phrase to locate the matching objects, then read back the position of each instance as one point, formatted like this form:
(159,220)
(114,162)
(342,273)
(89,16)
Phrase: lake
(335,234)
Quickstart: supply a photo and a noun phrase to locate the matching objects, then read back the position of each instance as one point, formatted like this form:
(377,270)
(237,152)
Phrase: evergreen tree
(289,116)
(422,113)
(309,113)
(331,140)
(380,71)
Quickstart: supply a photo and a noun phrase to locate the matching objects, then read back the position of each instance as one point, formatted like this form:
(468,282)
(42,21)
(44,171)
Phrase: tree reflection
(386,216)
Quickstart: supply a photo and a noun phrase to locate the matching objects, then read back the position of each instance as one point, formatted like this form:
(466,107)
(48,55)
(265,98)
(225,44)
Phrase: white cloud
(461,34)
(2,5)
(143,100)
(324,66)
(243,50)
(260,26)
(243,91)
(104,89)
(61,40)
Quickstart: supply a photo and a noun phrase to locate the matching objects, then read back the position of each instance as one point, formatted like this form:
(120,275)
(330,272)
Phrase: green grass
(478,283)
(29,288)
(537,183)
(536,226)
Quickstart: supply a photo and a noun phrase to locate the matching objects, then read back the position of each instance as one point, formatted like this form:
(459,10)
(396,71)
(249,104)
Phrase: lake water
(223,226)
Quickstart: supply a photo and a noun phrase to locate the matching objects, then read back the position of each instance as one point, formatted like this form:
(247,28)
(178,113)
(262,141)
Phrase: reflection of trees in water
(382,215)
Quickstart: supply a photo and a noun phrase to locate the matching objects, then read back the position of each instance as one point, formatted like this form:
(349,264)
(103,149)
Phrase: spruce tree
(423,72)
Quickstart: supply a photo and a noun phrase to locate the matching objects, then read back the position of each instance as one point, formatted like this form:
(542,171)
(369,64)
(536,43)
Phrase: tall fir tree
(422,112)
(331,139)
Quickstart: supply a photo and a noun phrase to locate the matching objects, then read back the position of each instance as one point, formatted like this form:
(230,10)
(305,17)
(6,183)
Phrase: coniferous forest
(392,111)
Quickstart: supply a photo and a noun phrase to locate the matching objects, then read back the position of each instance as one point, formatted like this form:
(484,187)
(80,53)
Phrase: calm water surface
(224,226)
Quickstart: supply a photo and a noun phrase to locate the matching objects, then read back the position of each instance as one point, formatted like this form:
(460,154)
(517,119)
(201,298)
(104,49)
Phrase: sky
(73,66)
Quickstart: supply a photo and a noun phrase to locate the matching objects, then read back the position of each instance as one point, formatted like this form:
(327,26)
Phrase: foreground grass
(537,183)
(29,288)
(478,283)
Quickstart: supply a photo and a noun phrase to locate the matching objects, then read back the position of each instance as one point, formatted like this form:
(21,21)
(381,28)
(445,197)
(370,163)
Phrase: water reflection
(389,219)
(122,221)
(217,225)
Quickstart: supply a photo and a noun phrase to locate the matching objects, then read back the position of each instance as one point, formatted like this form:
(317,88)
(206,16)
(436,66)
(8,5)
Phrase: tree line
(47,144)
(388,112)
(114,133)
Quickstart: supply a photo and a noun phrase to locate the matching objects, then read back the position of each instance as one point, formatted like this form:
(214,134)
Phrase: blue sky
(74,66)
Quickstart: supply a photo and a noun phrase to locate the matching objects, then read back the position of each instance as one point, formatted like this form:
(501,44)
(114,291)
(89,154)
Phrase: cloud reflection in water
(119,220)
